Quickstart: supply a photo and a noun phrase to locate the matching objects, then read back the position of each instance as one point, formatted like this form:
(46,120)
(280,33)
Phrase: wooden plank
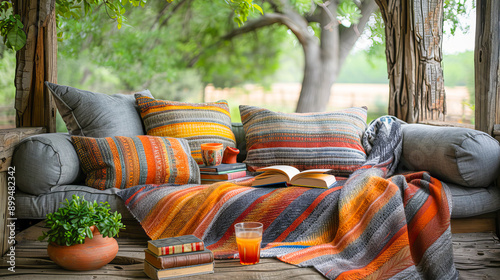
(486,64)
(476,256)
(9,138)
(482,223)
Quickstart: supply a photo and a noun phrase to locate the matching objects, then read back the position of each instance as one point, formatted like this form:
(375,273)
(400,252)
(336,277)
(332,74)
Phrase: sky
(460,42)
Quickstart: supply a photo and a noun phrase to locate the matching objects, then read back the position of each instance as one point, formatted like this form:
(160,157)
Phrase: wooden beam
(35,64)
(486,64)
(481,223)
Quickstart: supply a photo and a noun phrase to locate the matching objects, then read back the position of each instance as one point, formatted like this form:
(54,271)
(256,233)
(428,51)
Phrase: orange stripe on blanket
(350,231)
(305,214)
(230,233)
(156,223)
(427,212)
(392,259)
(432,225)
(379,192)
(218,195)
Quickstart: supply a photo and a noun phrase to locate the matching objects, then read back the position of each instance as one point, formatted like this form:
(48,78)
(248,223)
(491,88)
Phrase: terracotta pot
(92,254)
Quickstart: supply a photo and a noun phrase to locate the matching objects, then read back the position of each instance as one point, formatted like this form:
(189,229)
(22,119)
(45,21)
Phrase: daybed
(49,170)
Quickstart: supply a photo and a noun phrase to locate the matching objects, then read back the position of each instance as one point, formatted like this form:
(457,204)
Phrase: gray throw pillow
(462,156)
(44,161)
(94,114)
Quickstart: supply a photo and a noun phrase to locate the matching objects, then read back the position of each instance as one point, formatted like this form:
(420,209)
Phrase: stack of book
(177,256)
(222,172)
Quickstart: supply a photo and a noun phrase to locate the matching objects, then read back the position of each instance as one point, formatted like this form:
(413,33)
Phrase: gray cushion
(96,114)
(36,207)
(241,143)
(462,156)
(46,160)
(469,202)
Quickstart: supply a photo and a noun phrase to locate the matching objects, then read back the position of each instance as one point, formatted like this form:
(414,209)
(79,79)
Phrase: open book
(288,175)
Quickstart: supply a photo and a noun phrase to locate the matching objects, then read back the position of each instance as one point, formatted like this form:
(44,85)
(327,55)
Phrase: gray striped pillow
(306,141)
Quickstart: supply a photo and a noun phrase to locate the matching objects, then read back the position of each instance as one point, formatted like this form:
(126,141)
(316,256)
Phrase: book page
(314,180)
(289,171)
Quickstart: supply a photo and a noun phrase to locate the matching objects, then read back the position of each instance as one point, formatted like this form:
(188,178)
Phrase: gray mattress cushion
(461,156)
(468,202)
(44,161)
(36,207)
(94,114)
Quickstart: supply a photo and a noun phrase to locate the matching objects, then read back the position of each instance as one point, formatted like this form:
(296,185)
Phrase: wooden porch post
(487,67)
(36,63)
(414,33)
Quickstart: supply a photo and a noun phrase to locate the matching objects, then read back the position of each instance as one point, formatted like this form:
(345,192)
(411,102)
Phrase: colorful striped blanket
(367,227)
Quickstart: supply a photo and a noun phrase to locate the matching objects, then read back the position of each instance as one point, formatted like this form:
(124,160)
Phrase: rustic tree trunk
(414,32)
(487,66)
(321,64)
(36,63)
(323,56)
(335,44)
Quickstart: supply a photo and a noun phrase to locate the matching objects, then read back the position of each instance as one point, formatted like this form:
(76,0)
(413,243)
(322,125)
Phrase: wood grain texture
(414,33)
(481,223)
(476,256)
(9,138)
(35,64)
(487,65)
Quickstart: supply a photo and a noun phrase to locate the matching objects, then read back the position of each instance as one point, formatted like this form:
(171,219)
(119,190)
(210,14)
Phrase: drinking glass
(249,238)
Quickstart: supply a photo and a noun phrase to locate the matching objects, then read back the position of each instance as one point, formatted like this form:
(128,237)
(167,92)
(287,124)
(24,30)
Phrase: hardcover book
(281,175)
(223,167)
(223,172)
(227,176)
(177,260)
(159,274)
(175,245)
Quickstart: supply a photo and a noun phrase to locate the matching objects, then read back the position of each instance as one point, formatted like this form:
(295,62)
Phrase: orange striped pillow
(123,162)
(198,123)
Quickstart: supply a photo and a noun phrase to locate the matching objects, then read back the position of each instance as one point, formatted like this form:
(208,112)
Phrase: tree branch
(174,9)
(160,14)
(349,36)
(300,32)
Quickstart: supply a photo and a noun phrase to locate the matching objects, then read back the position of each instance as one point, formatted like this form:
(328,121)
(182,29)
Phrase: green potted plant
(81,234)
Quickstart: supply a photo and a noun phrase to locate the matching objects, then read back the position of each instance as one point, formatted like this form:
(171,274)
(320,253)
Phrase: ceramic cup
(211,153)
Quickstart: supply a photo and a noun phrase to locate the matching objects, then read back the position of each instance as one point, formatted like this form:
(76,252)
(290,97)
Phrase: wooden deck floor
(477,256)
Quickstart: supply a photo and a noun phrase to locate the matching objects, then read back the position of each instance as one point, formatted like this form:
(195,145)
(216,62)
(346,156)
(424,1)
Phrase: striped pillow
(123,162)
(305,141)
(196,122)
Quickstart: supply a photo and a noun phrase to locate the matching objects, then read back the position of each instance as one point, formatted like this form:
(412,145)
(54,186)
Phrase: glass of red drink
(249,238)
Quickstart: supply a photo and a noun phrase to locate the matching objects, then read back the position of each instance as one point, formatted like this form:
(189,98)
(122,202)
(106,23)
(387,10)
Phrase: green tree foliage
(158,52)
(11,27)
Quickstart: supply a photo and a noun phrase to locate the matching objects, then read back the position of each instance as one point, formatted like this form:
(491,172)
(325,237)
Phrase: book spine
(183,248)
(150,271)
(228,176)
(183,260)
